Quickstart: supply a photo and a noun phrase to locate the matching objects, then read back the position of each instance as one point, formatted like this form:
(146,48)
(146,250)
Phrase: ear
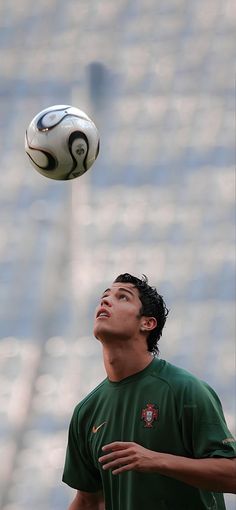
(148,323)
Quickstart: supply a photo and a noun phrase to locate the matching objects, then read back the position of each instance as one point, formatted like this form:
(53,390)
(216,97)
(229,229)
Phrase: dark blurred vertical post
(98,87)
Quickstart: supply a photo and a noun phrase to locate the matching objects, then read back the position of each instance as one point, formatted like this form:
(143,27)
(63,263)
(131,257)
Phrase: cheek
(128,319)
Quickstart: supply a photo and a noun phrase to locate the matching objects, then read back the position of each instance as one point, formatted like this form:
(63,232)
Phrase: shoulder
(173,374)
(85,404)
(182,382)
(193,397)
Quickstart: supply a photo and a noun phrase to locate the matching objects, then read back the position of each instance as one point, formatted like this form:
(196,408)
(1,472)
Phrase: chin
(98,333)
(102,334)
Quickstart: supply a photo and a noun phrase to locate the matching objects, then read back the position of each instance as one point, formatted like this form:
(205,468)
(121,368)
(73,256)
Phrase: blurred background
(157,78)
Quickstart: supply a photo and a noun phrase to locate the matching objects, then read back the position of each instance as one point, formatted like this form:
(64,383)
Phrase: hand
(127,457)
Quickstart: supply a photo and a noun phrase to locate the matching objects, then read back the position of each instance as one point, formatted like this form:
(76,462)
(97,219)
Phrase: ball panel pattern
(62,142)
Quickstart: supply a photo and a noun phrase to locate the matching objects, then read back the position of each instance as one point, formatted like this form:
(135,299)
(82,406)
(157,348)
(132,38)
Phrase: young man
(151,435)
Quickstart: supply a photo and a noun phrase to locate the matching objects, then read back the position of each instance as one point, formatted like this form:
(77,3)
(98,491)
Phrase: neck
(121,363)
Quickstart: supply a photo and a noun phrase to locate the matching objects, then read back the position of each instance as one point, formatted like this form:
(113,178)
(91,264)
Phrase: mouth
(103,314)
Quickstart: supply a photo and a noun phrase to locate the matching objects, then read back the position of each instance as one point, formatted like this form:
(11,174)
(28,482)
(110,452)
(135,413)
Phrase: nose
(106,300)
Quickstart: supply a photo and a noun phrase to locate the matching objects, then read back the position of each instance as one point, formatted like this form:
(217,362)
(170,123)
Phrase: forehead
(128,287)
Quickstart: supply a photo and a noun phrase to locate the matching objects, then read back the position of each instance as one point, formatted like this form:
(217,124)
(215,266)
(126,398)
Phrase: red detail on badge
(149,414)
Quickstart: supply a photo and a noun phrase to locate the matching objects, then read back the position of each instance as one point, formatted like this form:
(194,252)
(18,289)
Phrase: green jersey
(163,408)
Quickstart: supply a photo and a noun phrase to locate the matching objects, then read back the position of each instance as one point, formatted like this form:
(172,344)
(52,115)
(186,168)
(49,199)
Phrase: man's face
(118,313)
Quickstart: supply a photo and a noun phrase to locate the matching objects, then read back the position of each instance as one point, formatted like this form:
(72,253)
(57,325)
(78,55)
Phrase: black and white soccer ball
(62,142)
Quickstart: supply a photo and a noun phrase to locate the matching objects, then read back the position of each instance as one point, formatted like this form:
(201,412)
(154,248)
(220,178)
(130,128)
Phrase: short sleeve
(205,432)
(79,471)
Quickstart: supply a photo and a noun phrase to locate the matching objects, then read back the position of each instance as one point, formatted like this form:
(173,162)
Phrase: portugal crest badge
(149,414)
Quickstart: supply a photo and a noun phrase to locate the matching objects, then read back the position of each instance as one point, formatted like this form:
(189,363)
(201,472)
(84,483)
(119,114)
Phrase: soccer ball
(62,142)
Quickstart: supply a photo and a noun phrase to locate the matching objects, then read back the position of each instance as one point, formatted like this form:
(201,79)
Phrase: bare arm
(216,475)
(211,474)
(87,501)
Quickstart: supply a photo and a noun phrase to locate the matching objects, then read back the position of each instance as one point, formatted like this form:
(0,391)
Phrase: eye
(123,297)
(104,297)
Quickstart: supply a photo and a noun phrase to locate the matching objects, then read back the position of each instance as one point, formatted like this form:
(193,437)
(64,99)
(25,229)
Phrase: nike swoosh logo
(95,429)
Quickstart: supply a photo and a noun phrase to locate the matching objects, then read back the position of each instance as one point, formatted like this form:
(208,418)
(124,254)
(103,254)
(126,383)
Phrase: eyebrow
(123,289)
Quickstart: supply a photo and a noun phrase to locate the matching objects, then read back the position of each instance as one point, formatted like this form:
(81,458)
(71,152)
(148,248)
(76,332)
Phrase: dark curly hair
(153,305)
